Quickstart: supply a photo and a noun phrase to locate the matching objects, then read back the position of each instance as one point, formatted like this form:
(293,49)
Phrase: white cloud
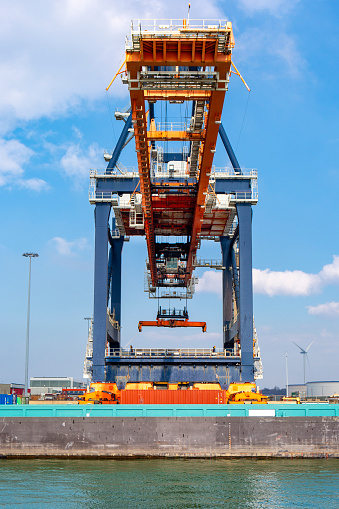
(77,161)
(255,44)
(292,283)
(34,184)
(68,248)
(330,272)
(269,282)
(55,55)
(295,282)
(210,282)
(328,309)
(13,156)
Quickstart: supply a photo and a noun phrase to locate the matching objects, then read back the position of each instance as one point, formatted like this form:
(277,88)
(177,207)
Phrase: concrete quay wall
(80,437)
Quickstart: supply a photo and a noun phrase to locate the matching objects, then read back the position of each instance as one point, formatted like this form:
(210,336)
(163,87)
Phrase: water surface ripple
(161,483)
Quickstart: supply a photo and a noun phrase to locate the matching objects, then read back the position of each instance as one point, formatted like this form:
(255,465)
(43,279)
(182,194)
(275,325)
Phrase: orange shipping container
(169,397)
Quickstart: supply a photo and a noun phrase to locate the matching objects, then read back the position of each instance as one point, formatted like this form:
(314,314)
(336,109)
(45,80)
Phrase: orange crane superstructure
(152,52)
(177,73)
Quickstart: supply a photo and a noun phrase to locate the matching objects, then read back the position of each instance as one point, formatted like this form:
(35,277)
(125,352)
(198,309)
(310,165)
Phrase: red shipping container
(169,397)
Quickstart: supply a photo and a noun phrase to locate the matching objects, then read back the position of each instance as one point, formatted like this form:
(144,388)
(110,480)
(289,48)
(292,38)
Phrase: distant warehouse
(321,389)
(17,389)
(47,385)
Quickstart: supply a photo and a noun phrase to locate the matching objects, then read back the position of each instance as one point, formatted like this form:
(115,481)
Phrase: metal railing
(244,197)
(129,172)
(169,80)
(172,126)
(170,352)
(153,26)
(102,196)
(212,264)
(230,172)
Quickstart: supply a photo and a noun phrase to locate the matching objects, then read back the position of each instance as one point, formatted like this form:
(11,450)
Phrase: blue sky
(57,57)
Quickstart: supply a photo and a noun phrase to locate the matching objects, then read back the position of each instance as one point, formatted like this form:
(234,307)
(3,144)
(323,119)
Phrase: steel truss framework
(175,193)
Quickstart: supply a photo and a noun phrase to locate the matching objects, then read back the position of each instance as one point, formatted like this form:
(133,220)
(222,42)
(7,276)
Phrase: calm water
(260,484)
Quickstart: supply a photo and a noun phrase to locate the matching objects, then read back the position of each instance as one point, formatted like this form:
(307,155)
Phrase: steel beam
(102,211)
(244,211)
(115,308)
(117,184)
(119,146)
(229,185)
(229,149)
(227,289)
(174,136)
(235,276)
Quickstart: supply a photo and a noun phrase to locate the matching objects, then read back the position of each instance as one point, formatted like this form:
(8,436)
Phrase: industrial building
(11,388)
(297,390)
(320,389)
(51,385)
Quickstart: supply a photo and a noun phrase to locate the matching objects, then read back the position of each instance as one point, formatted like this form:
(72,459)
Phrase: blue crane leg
(244,211)
(119,145)
(235,277)
(227,307)
(102,211)
(109,275)
(229,149)
(116,286)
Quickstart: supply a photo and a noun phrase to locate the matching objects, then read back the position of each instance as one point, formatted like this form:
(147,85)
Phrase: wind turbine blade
(299,346)
(309,346)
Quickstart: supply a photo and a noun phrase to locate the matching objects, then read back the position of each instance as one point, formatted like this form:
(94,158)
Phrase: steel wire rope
(243,120)
(130,341)
(110,114)
(109,106)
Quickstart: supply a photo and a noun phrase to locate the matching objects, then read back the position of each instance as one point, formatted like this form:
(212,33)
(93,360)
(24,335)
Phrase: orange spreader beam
(171,323)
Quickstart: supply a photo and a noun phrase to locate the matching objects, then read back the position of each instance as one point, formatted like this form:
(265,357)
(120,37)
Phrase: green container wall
(286,410)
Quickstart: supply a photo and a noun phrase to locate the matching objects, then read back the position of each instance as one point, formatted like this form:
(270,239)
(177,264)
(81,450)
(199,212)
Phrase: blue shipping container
(6,399)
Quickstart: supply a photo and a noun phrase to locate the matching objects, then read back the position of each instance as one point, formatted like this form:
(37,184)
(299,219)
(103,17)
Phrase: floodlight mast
(286,377)
(30,256)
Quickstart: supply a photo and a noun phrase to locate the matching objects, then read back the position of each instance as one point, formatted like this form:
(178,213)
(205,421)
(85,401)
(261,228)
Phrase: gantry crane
(177,74)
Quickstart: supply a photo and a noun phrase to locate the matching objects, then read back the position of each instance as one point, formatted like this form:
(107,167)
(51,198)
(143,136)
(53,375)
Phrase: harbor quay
(230,431)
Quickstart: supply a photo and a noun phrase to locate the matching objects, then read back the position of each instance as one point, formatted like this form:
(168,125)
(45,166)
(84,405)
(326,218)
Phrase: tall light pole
(286,377)
(30,256)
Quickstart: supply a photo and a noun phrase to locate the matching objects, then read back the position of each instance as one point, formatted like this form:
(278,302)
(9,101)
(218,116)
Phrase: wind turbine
(304,353)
